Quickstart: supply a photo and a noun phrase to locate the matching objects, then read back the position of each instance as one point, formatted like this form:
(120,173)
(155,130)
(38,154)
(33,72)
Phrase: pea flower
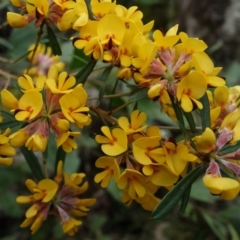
(58,197)
(114,142)
(133,182)
(110,167)
(190,89)
(42,109)
(6,150)
(137,119)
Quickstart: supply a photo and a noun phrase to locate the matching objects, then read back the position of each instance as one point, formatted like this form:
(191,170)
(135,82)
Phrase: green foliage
(171,198)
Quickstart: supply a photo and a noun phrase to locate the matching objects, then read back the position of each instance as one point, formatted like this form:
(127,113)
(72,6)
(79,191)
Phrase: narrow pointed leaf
(53,42)
(9,124)
(101,94)
(230,148)
(22,57)
(213,224)
(177,110)
(6,43)
(171,198)
(7,114)
(190,120)
(185,200)
(205,112)
(106,73)
(138,95)
(61,155)
(233,232)
(184,131)
(83,74)
(33,163)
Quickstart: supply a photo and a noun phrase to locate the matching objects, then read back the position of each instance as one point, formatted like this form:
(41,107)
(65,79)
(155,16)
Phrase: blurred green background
(206,217)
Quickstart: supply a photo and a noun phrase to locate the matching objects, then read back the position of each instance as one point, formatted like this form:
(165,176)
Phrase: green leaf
(22,57)
(190,120)
(5,43)
(184,131)
(79,59)
(172,197)
(106,72)
(7,114)
(205,112)
(185,199)
(9,124)
(83,74)
(233,232)
(138,95)
(32,163)
(60,155)
(177,110)
(53,42)
(101,94)
(230,148)
(213,224)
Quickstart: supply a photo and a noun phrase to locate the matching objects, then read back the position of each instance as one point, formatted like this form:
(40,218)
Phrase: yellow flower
(133,182)
(102,8)
(71,226)
(6,150)
(28,106)
(206,142)
(137,119)
(160,175)
(42,194)
(177,156)
(75,16)
(169,40)
(111,28)
(35,222)
(58,197)
(146,54)
(204,64)
(37,142)
(62,83)
(226,188)
(111,168)
(66,141)
(27,84)
(114,142)
(147,150)
(190,45)
(190,89)
(16,20)
(73,106)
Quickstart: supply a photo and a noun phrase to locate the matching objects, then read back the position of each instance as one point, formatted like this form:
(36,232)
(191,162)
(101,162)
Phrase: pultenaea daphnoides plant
(172,69)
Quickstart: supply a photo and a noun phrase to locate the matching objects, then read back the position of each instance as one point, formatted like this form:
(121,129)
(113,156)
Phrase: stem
(119,108)
(103,115)
(177,128)
(113,95)
(40,32)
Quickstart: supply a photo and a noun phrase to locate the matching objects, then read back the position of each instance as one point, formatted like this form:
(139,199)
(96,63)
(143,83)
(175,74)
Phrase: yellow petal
(16,20)
(8,100)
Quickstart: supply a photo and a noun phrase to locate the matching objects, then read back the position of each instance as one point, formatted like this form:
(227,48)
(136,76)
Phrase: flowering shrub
(172,69)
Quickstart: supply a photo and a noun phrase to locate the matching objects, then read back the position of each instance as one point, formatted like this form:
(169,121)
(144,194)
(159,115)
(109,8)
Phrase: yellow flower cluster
(173,67)
(51,103)
(58,197)
(65,14)
(149,161)
(225,120)
(42,60)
